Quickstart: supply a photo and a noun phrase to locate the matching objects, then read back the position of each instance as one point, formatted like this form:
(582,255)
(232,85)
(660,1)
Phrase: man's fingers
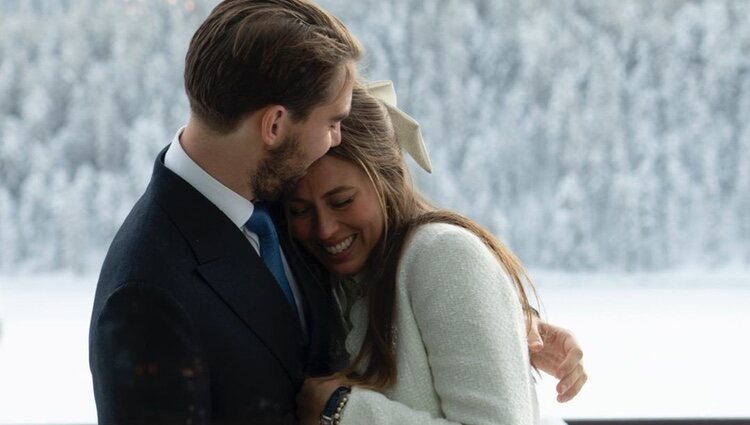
(574,389)
(536,344)
(571,384)
(568,380)
(535,340)
(572,361)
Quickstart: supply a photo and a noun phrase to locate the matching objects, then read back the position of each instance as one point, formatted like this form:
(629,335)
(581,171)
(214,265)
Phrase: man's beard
(279,172)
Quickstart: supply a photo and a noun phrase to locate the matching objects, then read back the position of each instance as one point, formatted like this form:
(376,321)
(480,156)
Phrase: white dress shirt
(234,206)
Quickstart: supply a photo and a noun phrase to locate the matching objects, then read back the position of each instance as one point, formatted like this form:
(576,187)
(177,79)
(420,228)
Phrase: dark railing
(705,421)
(686,421)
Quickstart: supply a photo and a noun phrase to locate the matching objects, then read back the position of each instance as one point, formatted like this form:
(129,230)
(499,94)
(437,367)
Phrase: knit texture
(461,348)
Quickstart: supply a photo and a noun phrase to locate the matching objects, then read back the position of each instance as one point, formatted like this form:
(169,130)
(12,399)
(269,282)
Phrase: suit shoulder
(147,248)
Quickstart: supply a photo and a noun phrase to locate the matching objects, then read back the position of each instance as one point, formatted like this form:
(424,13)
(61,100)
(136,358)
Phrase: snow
(44,375)
(667,351)
(587,134)
(650,351)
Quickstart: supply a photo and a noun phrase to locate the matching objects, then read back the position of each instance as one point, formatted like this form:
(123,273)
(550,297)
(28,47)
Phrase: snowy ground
(657,345)
(677,349)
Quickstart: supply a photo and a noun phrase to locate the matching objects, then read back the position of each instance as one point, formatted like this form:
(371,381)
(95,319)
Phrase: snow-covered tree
(586,134)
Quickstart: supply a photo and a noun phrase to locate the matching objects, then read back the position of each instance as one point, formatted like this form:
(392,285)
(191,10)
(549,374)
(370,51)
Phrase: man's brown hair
(252,53)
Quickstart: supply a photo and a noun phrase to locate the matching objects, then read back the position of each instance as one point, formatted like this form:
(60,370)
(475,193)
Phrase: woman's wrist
(331,414)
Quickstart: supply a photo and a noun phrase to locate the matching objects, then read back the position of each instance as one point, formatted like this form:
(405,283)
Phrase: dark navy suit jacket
(188,325)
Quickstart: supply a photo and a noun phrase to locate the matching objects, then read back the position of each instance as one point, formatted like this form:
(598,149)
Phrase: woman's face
(335,213)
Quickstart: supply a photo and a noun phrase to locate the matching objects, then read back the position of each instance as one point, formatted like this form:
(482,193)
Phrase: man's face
(322,128)
(278,172)
(308,141)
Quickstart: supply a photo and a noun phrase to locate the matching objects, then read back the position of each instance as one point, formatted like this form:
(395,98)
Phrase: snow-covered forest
(589,135)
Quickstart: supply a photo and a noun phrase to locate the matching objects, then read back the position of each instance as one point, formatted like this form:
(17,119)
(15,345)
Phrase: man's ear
(274,124)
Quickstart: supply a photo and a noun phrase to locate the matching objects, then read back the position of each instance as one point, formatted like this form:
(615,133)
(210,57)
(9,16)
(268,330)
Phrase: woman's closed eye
(341,203)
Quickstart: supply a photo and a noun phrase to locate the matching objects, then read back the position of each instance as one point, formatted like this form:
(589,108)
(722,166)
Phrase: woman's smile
(335,213)
(340,248)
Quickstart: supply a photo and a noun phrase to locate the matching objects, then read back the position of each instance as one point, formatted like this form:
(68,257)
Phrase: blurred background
(606,142)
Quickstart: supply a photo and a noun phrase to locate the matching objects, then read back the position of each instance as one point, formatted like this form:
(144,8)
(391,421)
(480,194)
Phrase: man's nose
(336,136)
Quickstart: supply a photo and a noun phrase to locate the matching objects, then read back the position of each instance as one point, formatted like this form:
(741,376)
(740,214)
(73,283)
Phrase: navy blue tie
(261,224)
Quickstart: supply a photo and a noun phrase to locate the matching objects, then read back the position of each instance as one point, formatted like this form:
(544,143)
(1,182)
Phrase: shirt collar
(232,204)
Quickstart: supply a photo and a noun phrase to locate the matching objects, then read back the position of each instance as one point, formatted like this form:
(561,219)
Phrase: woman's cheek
(298,230)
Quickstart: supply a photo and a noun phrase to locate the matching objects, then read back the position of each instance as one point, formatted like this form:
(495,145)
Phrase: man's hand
(555,351)
(314,395)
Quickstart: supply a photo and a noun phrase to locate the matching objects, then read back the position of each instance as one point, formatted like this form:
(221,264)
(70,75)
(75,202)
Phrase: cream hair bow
(406,128)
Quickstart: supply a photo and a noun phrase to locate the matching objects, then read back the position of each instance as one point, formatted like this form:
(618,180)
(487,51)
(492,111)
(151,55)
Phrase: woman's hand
(313,396)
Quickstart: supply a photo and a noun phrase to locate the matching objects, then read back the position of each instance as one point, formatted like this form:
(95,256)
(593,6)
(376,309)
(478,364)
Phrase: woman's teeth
(339,247)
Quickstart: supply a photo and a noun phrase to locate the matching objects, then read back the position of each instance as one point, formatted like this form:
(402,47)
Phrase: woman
(435,303)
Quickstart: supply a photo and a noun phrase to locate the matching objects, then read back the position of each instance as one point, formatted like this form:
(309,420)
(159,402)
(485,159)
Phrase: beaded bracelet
(331,414)
(339,408)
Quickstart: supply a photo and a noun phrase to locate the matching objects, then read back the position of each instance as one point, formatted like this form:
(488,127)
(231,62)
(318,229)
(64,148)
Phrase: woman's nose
(327,226)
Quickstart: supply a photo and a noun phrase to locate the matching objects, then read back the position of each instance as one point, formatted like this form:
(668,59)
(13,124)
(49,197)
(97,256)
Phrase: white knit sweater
(461,349)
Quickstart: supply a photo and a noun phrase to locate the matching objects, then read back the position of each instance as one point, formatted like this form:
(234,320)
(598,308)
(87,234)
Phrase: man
(199,315)
(189,325)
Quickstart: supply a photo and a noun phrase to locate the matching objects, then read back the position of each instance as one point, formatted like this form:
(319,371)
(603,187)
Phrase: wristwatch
(336,402)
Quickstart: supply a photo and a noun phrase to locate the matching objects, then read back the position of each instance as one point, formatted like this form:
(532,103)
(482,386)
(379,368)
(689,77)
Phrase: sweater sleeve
(472,328)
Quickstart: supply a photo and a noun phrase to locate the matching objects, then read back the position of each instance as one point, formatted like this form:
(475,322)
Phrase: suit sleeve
(146,362)
(472,328)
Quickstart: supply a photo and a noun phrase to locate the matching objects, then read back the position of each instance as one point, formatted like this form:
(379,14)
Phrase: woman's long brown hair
(368,140)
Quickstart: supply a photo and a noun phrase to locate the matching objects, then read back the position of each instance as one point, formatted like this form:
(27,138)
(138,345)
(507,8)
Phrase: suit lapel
(248,288)
(231,267)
